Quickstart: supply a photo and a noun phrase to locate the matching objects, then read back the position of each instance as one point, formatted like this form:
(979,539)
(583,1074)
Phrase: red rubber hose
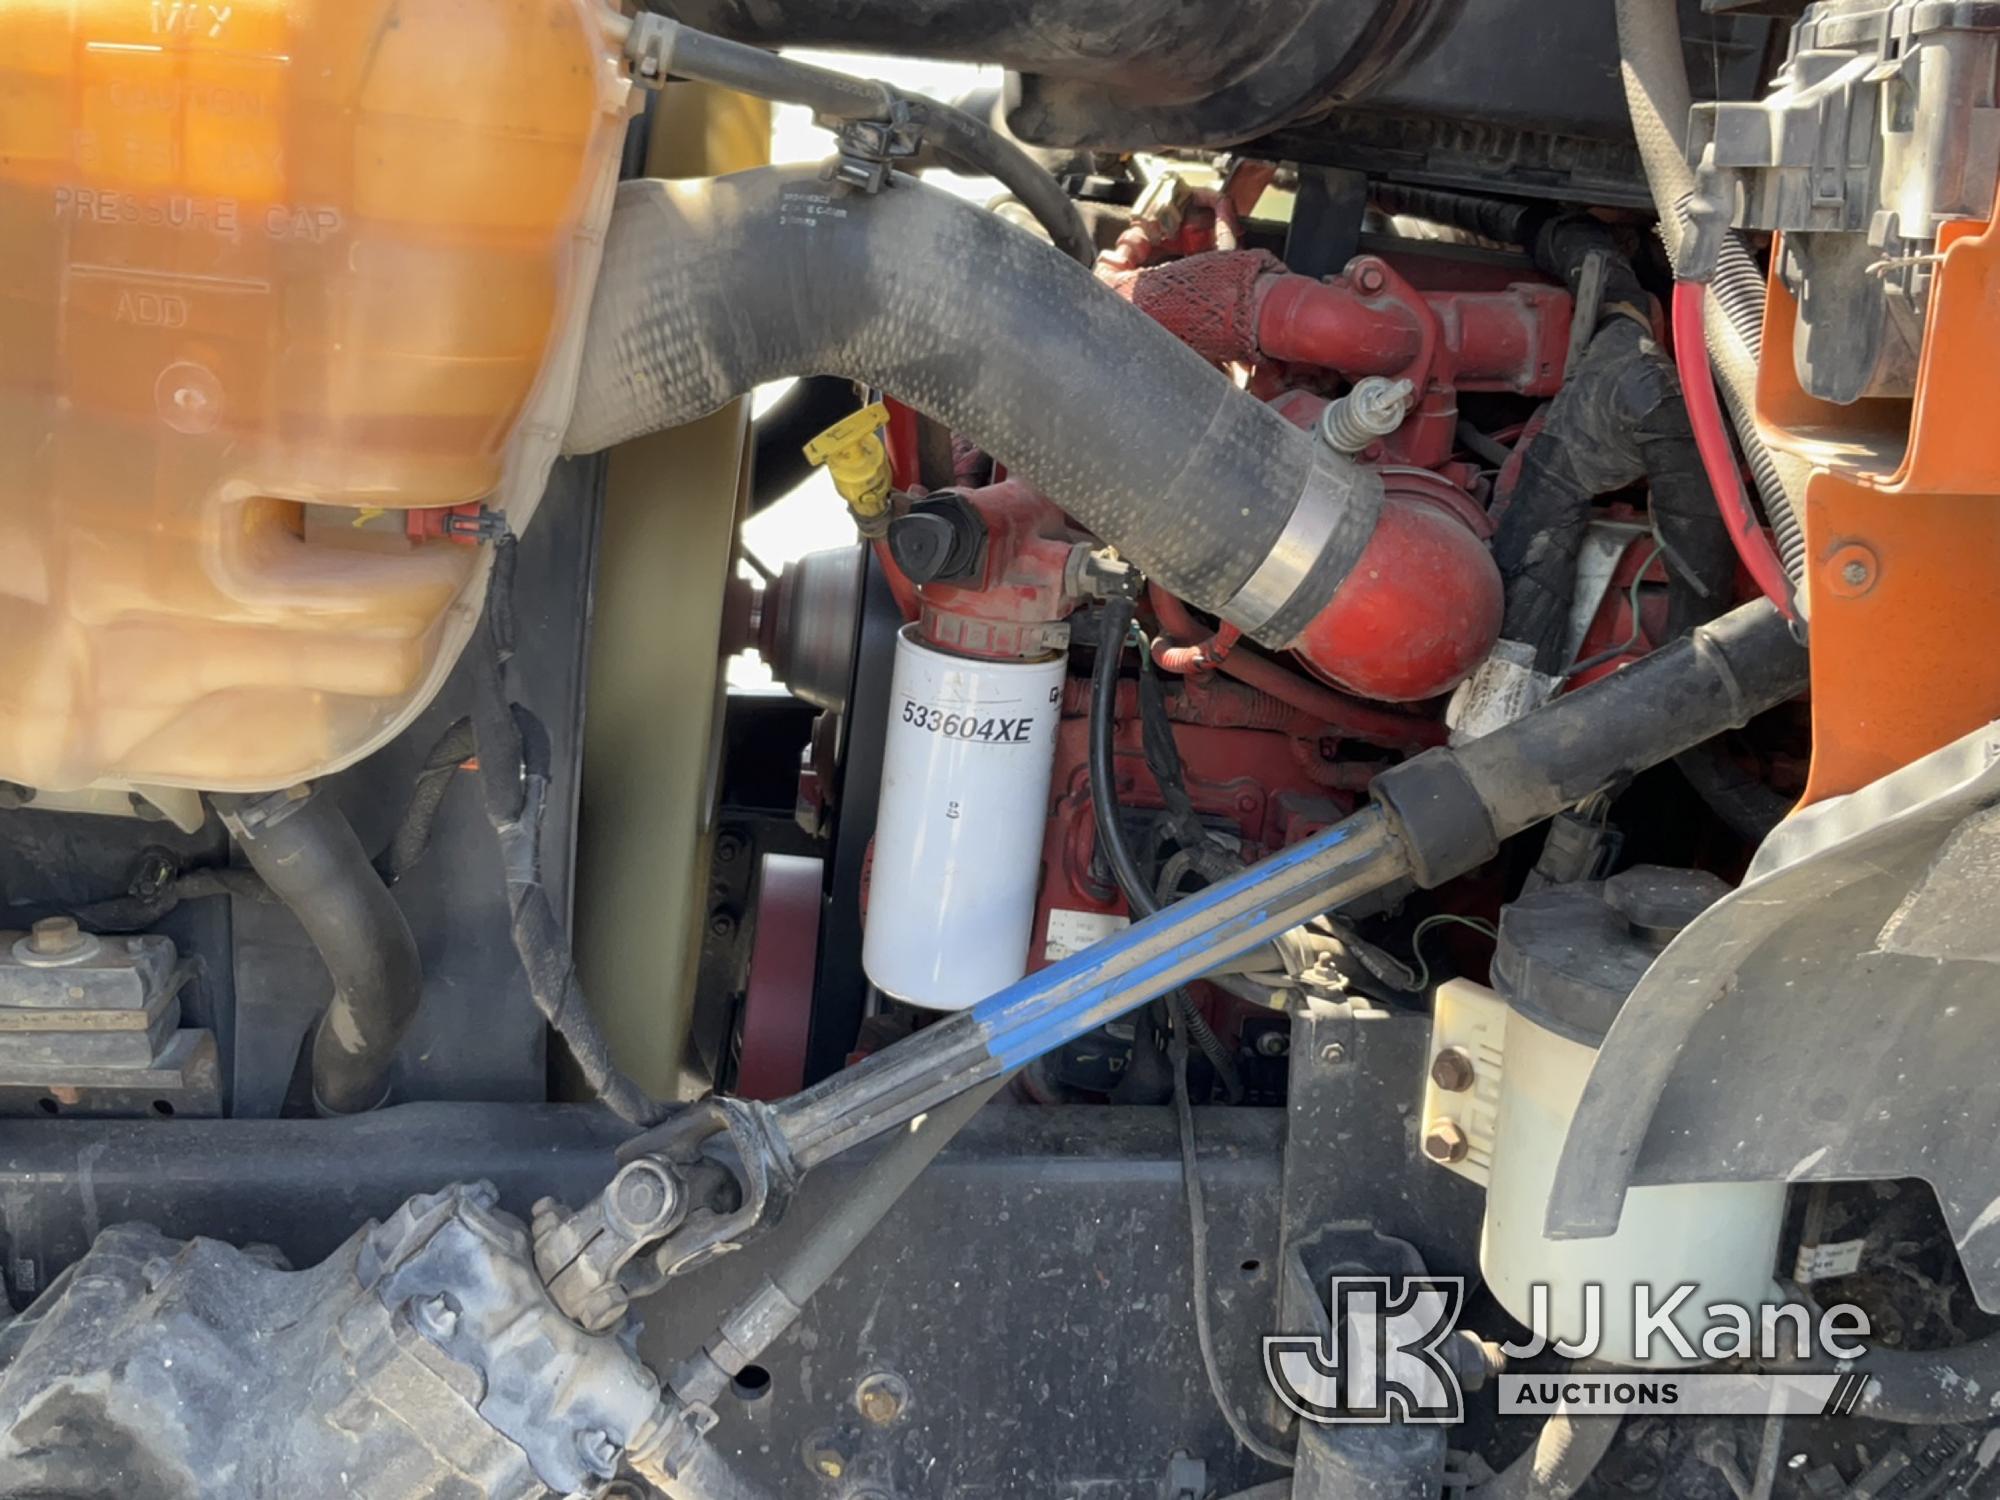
(1711,436)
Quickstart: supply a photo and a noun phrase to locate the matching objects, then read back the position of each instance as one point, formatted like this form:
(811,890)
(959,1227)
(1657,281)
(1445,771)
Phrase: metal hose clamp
(1331,524)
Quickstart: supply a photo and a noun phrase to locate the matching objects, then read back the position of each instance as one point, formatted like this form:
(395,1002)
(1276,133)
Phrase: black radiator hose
(964,142)
(306,851)
(709,288)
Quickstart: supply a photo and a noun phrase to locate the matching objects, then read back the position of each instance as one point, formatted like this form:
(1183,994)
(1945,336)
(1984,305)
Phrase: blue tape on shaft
(1020,1023)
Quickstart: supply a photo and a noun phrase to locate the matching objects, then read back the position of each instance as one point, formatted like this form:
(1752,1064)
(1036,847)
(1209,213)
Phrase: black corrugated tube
(1654,66)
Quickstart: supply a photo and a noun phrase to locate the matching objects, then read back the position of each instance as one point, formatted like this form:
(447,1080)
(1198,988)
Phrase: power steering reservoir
(291,293)
(1507,1073)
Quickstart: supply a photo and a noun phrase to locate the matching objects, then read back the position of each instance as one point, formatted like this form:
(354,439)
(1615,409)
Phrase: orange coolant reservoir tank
(273,275)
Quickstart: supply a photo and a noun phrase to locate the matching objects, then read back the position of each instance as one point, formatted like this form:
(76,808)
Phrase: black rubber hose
(1454,806)
(1498,219)
(306,851)
(881,1184)
(753,1325)
(139,913)
(1621,415)
(1113,624)
(971,146)
(709,288)
(1589,445)
(779,435)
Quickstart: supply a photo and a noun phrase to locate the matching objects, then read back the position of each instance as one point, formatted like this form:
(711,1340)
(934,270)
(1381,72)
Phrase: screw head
(1451,1070)
(727,847)
(1445,1142)
(881,1397)
(721,923)
(1332,1052)
(53,935)
(1852,569)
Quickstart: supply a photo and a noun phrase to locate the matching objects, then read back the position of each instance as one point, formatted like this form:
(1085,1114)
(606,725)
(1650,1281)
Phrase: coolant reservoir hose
(1711,436)
(303,847)
(711,287)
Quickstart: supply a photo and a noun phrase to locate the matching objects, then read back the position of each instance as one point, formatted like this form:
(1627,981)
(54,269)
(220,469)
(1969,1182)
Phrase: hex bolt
(1369,279)
(1332,1052)
(1852,570)
(722,923)
(54,936)
(1452,1071)
(881,1397)
(727,847)
(1273,1044)
(598,1452)
(1445,1142)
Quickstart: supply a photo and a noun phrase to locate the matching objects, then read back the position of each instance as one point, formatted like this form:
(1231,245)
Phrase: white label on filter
(958,835)
(1072,931)
(972,724)
(1824,1262)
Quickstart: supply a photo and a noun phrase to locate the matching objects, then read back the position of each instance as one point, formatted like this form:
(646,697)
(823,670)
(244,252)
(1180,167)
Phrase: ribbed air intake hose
(709,288)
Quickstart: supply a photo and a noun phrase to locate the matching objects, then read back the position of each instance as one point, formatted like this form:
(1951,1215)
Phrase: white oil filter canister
(958,834)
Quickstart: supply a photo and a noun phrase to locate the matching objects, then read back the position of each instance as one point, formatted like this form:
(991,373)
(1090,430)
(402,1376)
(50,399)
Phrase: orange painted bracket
(1902,528)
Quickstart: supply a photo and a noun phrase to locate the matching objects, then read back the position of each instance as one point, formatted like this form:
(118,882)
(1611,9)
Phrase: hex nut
(1452,1071)
(1445,1142)
(53,935)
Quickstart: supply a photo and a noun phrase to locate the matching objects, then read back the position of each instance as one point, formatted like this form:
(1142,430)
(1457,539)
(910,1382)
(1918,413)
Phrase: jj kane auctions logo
(1387,1357)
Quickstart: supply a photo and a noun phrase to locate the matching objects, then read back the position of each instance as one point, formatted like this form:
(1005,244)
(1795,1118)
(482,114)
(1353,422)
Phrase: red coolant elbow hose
(1711,437)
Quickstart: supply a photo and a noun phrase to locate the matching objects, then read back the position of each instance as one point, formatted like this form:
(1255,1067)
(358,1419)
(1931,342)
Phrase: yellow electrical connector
(858,460)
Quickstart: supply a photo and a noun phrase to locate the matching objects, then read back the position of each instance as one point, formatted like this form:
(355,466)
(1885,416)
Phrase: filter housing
(272,274)
(958,836)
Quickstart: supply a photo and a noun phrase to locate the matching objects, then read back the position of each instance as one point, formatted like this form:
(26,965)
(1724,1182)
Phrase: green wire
(1439,919)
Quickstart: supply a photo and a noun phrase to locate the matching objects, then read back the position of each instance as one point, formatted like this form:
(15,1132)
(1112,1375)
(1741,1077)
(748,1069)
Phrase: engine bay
(1366,873)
